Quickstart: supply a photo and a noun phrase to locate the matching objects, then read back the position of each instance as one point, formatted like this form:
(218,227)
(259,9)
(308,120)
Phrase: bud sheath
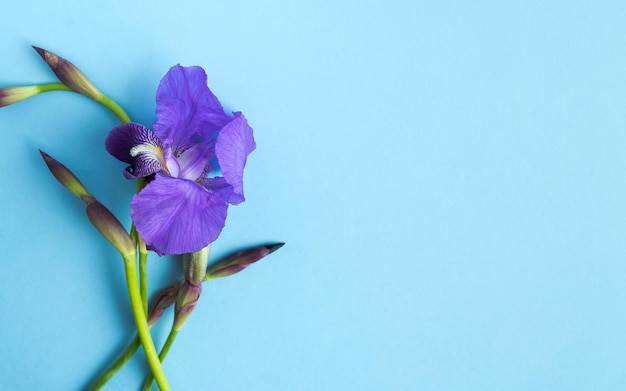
(195,264)
(188,295)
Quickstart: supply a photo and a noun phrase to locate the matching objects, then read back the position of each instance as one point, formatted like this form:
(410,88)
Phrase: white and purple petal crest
(187,111)
(137,145)
(234,143)
(177,216)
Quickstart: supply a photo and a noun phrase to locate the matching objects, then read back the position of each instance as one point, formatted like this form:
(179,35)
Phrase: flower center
(193,161)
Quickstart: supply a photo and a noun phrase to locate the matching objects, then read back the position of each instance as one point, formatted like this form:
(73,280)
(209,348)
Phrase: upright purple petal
(234,144)
(193,161)
(187,111)
(137,145)
(177,216)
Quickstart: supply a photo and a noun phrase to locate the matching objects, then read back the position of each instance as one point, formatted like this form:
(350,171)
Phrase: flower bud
(164,299)
(10,95)
(66,177)
(69,75)
(110,227)
(240,260)
(188,295)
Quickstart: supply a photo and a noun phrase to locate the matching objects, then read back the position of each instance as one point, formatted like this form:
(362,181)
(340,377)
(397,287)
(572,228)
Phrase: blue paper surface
(449,178)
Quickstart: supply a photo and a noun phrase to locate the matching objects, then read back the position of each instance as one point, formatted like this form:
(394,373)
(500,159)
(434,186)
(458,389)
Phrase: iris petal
(187,111)
(218,186)
(177,216)
(194,161)
(234,143)
(136,145)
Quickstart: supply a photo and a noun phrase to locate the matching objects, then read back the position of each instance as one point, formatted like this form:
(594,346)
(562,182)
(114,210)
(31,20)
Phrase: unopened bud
(188,295)
(164,299)
(110,227)
(240,260)
(69,75)
(10,95)
(65,177)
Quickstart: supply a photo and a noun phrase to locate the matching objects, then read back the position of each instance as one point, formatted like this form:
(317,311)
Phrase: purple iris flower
(197,153)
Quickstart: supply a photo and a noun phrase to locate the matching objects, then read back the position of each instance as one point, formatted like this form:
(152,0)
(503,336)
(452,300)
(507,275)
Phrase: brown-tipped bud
(188,295)
(240,260)
(69,75)
(66,177)
(164,299)
(10,95)
(110,227)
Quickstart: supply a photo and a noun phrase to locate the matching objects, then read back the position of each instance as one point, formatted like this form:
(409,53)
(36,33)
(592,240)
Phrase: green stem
(142,324)
(143,266)
(143,255)
(117,365)
(166,348)
(103,100)
(143,276)
(53,87)
(115,108)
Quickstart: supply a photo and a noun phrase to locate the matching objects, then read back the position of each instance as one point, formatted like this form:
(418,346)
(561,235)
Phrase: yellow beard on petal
(149,152)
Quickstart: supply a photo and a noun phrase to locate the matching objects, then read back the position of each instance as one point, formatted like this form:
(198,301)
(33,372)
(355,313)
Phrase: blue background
(449,178)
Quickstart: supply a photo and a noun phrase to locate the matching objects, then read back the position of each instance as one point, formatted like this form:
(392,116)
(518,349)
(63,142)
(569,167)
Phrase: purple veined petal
(219,187)
(234,143)
(187,110)
(123,138)
(177,216)
(137,145)
(194,160)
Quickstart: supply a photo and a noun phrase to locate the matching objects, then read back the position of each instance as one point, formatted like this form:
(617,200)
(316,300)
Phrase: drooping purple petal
(219,187)
(137,145)
(187,111)
(234,143)
(177,216)
(123,138)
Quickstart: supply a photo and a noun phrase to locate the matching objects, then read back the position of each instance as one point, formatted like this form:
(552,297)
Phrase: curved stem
(117,365)
(115,108)
(142,324)
(166,348)
(53,87)
(104,100)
